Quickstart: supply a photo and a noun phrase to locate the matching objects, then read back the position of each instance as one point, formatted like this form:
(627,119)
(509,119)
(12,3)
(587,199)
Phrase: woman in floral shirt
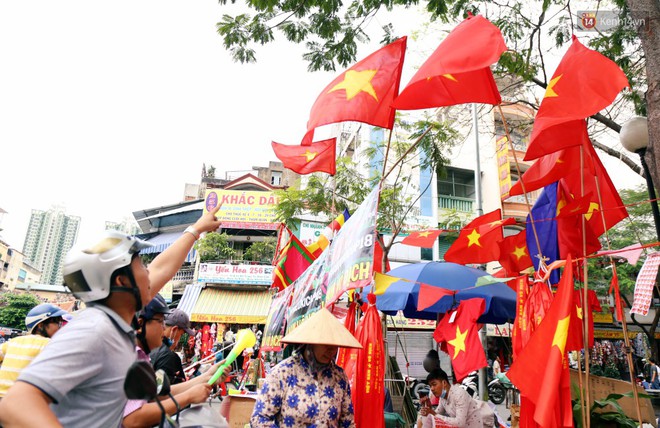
(308,389)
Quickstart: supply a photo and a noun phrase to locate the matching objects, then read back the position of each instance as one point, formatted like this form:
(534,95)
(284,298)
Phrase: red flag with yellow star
(575,339)
(363,93)
(540,370)
(477,241)
(572,236)
(458,72)
(584,83)
(458,334)
(422,238)
(514,255)
(318,157)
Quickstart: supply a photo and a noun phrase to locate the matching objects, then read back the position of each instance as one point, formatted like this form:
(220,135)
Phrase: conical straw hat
(322,328)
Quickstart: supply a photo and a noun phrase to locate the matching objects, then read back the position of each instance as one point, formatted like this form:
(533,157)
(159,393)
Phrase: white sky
(107,108)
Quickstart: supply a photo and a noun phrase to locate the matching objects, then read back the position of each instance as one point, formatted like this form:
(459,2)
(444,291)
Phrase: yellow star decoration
(474,238)
(578,310)
(450,77)
(424,234)
(459,341)
(519,252)
(550,90)
(593,206)
(355,82)
(561,334)
(559,160)
(495,223)
(309,155)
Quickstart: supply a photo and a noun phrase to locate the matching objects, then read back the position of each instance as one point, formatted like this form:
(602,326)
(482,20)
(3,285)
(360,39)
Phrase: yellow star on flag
(450,77)
(459,341)
(424,234)
(579,311)
(474,238)
(355,82)
(561,334)
(309,155)
(550,90)
(519,252)
(495,223)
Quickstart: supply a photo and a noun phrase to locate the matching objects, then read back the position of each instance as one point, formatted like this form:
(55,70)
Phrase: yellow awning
(232,306)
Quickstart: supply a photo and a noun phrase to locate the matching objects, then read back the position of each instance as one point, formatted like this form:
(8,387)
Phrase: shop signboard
(310,232)
(243,209)
(218,273)
(400,322)
(495,330)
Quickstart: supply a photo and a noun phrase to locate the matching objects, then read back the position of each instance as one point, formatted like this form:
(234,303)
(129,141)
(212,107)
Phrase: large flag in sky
(458,72)
(458,332)
(422,238)
(543,213)
(363,93)
(319,157)
(540,371)
(477,241)
(584,83)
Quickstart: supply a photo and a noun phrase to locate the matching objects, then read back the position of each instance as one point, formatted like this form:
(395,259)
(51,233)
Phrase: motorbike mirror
(140,382)
(162,383)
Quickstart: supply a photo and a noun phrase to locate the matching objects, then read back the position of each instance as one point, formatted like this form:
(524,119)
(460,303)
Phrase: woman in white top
(456,407)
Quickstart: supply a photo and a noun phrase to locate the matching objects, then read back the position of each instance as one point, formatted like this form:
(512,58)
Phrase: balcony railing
(185,274)
(455,203)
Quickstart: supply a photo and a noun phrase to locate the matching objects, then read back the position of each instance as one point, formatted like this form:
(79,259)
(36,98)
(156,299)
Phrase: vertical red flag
(363,93)
(540,372)
(477,241)
(514,255)
(458,71)
(614,288)
(308,159)
(520,323)
(369,386)
(458,332)
(347,357)
(575,340)
(570,232)
(584,83)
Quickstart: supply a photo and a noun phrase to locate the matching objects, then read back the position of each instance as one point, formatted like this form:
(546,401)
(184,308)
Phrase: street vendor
(308,388)
(456,408)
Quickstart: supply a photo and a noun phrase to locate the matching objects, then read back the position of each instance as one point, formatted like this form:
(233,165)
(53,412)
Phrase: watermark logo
(608,20)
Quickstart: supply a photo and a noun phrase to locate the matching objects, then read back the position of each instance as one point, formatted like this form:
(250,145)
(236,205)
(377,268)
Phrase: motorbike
(470,384)
(498,387)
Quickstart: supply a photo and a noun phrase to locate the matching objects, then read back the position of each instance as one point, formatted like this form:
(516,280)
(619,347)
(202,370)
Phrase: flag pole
(585,296)
(410,149)
(522,183)
(387,152)
(624,323)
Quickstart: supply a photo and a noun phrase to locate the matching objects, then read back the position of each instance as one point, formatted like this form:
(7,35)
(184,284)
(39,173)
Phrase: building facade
(15,269)
(50,235)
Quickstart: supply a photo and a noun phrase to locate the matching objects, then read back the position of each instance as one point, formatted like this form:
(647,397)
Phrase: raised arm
(166,264)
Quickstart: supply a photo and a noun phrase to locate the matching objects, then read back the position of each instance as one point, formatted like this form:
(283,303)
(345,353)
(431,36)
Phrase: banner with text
(217,273)
(275,322)
(503,166)
(243,209)
(308,293)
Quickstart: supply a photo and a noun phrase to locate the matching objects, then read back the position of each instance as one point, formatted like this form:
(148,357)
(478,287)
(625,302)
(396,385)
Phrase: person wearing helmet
(150,328)
(163,357)
(42,322)
(78,379)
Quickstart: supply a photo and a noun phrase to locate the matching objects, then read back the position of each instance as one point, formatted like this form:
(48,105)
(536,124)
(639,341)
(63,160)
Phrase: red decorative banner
(644,285)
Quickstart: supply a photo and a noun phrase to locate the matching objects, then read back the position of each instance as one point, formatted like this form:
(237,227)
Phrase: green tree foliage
(214,246)
(261,251)
(14,307)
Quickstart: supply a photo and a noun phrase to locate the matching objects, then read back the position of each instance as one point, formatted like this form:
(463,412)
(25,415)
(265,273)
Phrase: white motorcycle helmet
(88,270)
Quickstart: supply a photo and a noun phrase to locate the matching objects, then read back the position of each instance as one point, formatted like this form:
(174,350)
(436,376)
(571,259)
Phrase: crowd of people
(70,371)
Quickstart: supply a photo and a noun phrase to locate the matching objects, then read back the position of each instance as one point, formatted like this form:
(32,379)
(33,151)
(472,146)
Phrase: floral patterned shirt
(294,397)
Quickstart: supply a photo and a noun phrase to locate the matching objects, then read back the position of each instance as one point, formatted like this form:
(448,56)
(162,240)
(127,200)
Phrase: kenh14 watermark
(606,20)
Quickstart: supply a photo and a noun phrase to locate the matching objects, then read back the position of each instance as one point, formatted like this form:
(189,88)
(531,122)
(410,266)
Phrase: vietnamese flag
(368,392)
(552,167)
(540,371)
(363,93)
(318,157)
(575,340)
(458,72)
(584,83)
(347,357)
(605,205)
(423,238)
(477,241)
(514,256)
(458,332)
(570,232)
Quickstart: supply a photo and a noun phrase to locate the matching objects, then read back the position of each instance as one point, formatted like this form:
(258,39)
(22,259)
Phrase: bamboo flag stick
(585,297)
